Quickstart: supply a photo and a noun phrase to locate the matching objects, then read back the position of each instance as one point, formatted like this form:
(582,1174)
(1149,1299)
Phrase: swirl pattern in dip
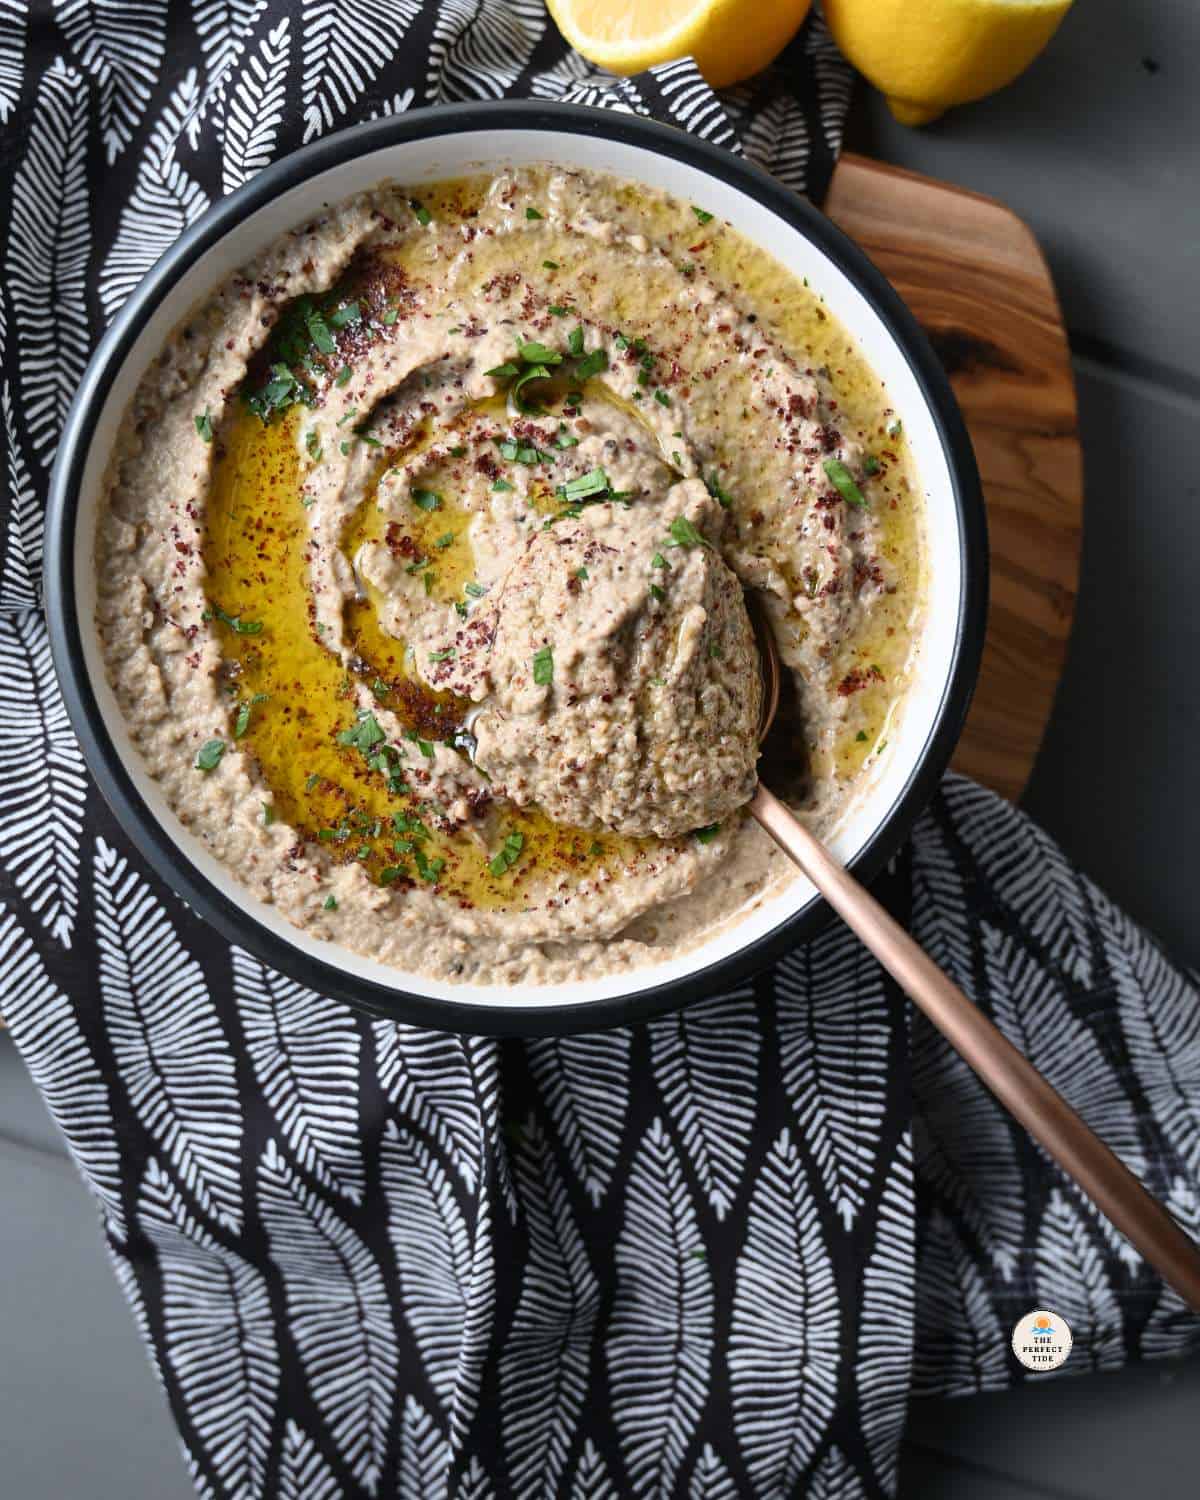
(422,558)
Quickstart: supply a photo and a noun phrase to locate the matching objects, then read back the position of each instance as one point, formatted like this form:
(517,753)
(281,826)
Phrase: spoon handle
(1014,1080)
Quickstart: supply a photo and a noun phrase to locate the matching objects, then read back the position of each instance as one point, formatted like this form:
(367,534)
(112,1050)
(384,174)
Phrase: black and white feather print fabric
(708,1257)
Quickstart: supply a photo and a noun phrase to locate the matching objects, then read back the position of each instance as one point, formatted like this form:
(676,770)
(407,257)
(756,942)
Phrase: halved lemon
(730,39)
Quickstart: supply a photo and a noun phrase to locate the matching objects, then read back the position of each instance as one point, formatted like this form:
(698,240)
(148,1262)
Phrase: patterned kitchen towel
(370,1260)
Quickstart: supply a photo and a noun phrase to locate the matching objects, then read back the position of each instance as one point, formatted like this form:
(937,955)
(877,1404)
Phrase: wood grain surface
(974,276)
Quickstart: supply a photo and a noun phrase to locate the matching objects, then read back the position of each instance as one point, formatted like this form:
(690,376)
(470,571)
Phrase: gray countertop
(1097,148)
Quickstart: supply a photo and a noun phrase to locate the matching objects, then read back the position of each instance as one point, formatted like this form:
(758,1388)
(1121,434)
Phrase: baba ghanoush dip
(421,571)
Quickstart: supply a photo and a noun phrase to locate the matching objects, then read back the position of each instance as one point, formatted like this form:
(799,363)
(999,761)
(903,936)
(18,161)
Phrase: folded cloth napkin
(686,1258)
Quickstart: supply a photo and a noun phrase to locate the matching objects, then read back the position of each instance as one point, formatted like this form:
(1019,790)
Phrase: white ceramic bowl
(424,146)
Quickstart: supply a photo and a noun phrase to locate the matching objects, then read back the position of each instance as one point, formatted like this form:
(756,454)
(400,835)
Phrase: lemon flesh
(928,55)
(729,39)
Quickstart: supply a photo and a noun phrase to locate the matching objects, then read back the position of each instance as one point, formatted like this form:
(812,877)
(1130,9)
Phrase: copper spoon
(1013,1079)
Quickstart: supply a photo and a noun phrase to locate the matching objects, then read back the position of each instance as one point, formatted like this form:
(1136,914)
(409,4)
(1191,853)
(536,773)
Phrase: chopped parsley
(658,561)
(722,497)
(557,310)
(345,317)
(503,484)
(330,903)
(447,655)
(235,622)
(268,814)
(582,573)
(426,499)
(390,313)
(534,372)
(428,869)
(894,429)
(550,265)
(318,331)
(575,341)
(657,593)
(343,375)
(503,372)
(861,737)
(280,391)
(508,854)
(843,481)
(706,835)
(594,363)
(312,441)
(543,666)
(242,722)
(702,215)
(204,427)
(476,590)
(208,757)
(661,397)
(871,464)
(532,213)
(364,734)
(535,353)
(684,534)
(423,215)
(446,540)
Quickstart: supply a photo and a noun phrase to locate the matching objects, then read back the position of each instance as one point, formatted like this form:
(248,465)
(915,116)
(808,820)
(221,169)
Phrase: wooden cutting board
(974,276)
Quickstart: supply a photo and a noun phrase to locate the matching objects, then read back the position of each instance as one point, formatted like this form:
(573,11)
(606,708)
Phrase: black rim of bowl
(217,906)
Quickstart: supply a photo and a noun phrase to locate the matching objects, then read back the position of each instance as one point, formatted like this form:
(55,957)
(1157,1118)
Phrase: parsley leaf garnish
(543,666)
(235,622)
(843,481)
(713,485)
(364,734)
(702,215)
(535,353)
(427,500)
(345,316)
(684,534)
(594,363)
(208,757)
(242,722)
(204,427)
(508,854)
